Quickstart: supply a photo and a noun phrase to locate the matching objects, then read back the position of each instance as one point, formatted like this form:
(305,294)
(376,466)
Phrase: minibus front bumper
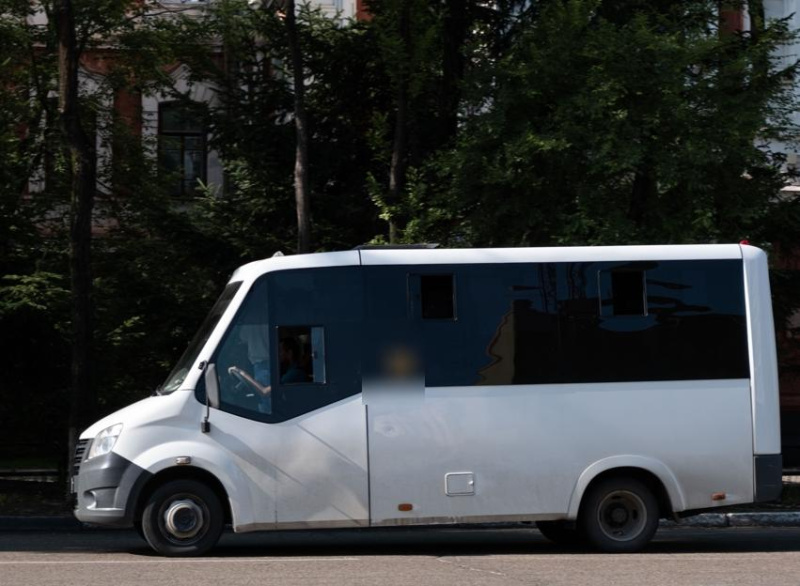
(106,490)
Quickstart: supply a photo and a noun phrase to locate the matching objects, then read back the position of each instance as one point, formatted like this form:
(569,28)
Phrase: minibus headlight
(104,441)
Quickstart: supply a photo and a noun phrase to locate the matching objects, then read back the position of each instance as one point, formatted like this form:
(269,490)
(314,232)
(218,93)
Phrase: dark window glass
(181,147)
(691,325)
(437,296)
(320,313)
(393,314)
(627,293)
(243,359)
(301,354)
(560,323)
(176,118)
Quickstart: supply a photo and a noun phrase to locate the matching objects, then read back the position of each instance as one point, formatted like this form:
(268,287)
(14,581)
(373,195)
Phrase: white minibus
(592,390)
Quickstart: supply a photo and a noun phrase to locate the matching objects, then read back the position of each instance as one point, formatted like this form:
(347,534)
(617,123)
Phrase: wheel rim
(622,515)
(183,519)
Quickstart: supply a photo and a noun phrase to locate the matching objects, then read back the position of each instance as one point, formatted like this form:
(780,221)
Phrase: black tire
(183,518)
(619,515)
(561,533)
(137,524)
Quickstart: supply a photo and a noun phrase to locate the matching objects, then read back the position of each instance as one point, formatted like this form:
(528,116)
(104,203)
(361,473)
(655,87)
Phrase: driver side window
(243,360)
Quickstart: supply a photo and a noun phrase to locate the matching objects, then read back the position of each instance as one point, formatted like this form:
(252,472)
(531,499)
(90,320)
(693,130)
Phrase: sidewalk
(748,519)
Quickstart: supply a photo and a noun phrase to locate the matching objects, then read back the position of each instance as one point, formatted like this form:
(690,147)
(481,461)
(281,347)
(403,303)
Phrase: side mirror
(212,386)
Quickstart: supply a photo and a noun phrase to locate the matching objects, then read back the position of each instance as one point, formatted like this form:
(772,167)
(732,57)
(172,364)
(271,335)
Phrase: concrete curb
(753,519)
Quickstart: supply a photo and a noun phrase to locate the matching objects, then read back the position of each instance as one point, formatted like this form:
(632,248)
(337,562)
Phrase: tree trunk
(643,195)
(82,177)
(301,170)
(455,35)
(399,165)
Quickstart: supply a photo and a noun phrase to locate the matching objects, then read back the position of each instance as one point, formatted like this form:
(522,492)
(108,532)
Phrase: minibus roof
(426,256)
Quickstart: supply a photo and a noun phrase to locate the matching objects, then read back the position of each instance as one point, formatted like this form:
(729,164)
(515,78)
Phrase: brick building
(182,143)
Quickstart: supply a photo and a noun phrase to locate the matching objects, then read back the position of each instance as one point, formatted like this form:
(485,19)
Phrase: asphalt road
(682,556)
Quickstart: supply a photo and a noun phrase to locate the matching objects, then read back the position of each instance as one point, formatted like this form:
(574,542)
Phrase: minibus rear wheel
(183,518)
(619,515)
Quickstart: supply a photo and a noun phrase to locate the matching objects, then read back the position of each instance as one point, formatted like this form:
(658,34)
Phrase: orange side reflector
(405,507)
(719,496)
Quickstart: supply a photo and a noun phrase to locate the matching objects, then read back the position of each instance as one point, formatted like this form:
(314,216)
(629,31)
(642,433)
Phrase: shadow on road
(401,542)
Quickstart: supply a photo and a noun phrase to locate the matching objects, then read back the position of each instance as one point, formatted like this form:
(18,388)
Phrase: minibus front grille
(80,450)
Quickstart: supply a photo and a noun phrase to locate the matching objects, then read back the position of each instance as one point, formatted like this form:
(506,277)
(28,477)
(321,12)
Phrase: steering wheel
(245,379)
(238,374)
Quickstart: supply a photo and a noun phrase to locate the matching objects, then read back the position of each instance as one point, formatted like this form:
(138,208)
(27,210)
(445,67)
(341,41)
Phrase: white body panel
(322,467)
(535,255)
(311,471)
(763,356)
(160,429)
(533,449)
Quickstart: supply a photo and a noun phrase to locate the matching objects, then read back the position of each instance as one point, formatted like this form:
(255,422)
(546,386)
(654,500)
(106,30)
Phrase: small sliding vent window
(437,297)
(628,295)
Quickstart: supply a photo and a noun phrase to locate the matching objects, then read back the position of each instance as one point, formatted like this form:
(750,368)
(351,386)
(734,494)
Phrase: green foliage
(251,126)
(529,123)
(144,236)
(38,292)
(622,123)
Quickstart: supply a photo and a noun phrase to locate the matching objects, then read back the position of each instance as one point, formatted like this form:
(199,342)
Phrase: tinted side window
(243,359)
(691,327)
(474,343)
(572,322)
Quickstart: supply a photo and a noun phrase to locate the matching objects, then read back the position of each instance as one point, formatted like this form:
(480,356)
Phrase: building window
(181,147)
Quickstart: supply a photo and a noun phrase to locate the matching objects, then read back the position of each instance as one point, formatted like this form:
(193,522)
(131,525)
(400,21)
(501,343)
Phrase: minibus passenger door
(319,427)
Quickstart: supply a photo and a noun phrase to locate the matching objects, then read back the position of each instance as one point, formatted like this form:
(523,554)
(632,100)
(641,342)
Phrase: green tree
(48,256)
(421,55)
(621,122)
(252,125)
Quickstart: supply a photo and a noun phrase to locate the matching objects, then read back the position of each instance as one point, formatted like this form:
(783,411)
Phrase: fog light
(89,499)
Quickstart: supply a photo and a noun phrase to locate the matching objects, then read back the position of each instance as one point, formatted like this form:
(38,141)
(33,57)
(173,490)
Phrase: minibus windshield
(178,374)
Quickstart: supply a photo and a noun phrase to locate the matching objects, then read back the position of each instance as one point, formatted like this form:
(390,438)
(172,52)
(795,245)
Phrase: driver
(254,336)
(252,339)
(291,371)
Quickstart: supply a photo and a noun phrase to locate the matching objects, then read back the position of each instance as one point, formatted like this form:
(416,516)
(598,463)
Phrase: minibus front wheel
(183,518)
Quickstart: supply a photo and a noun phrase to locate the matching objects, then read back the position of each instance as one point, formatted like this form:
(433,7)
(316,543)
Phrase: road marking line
(177,561)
